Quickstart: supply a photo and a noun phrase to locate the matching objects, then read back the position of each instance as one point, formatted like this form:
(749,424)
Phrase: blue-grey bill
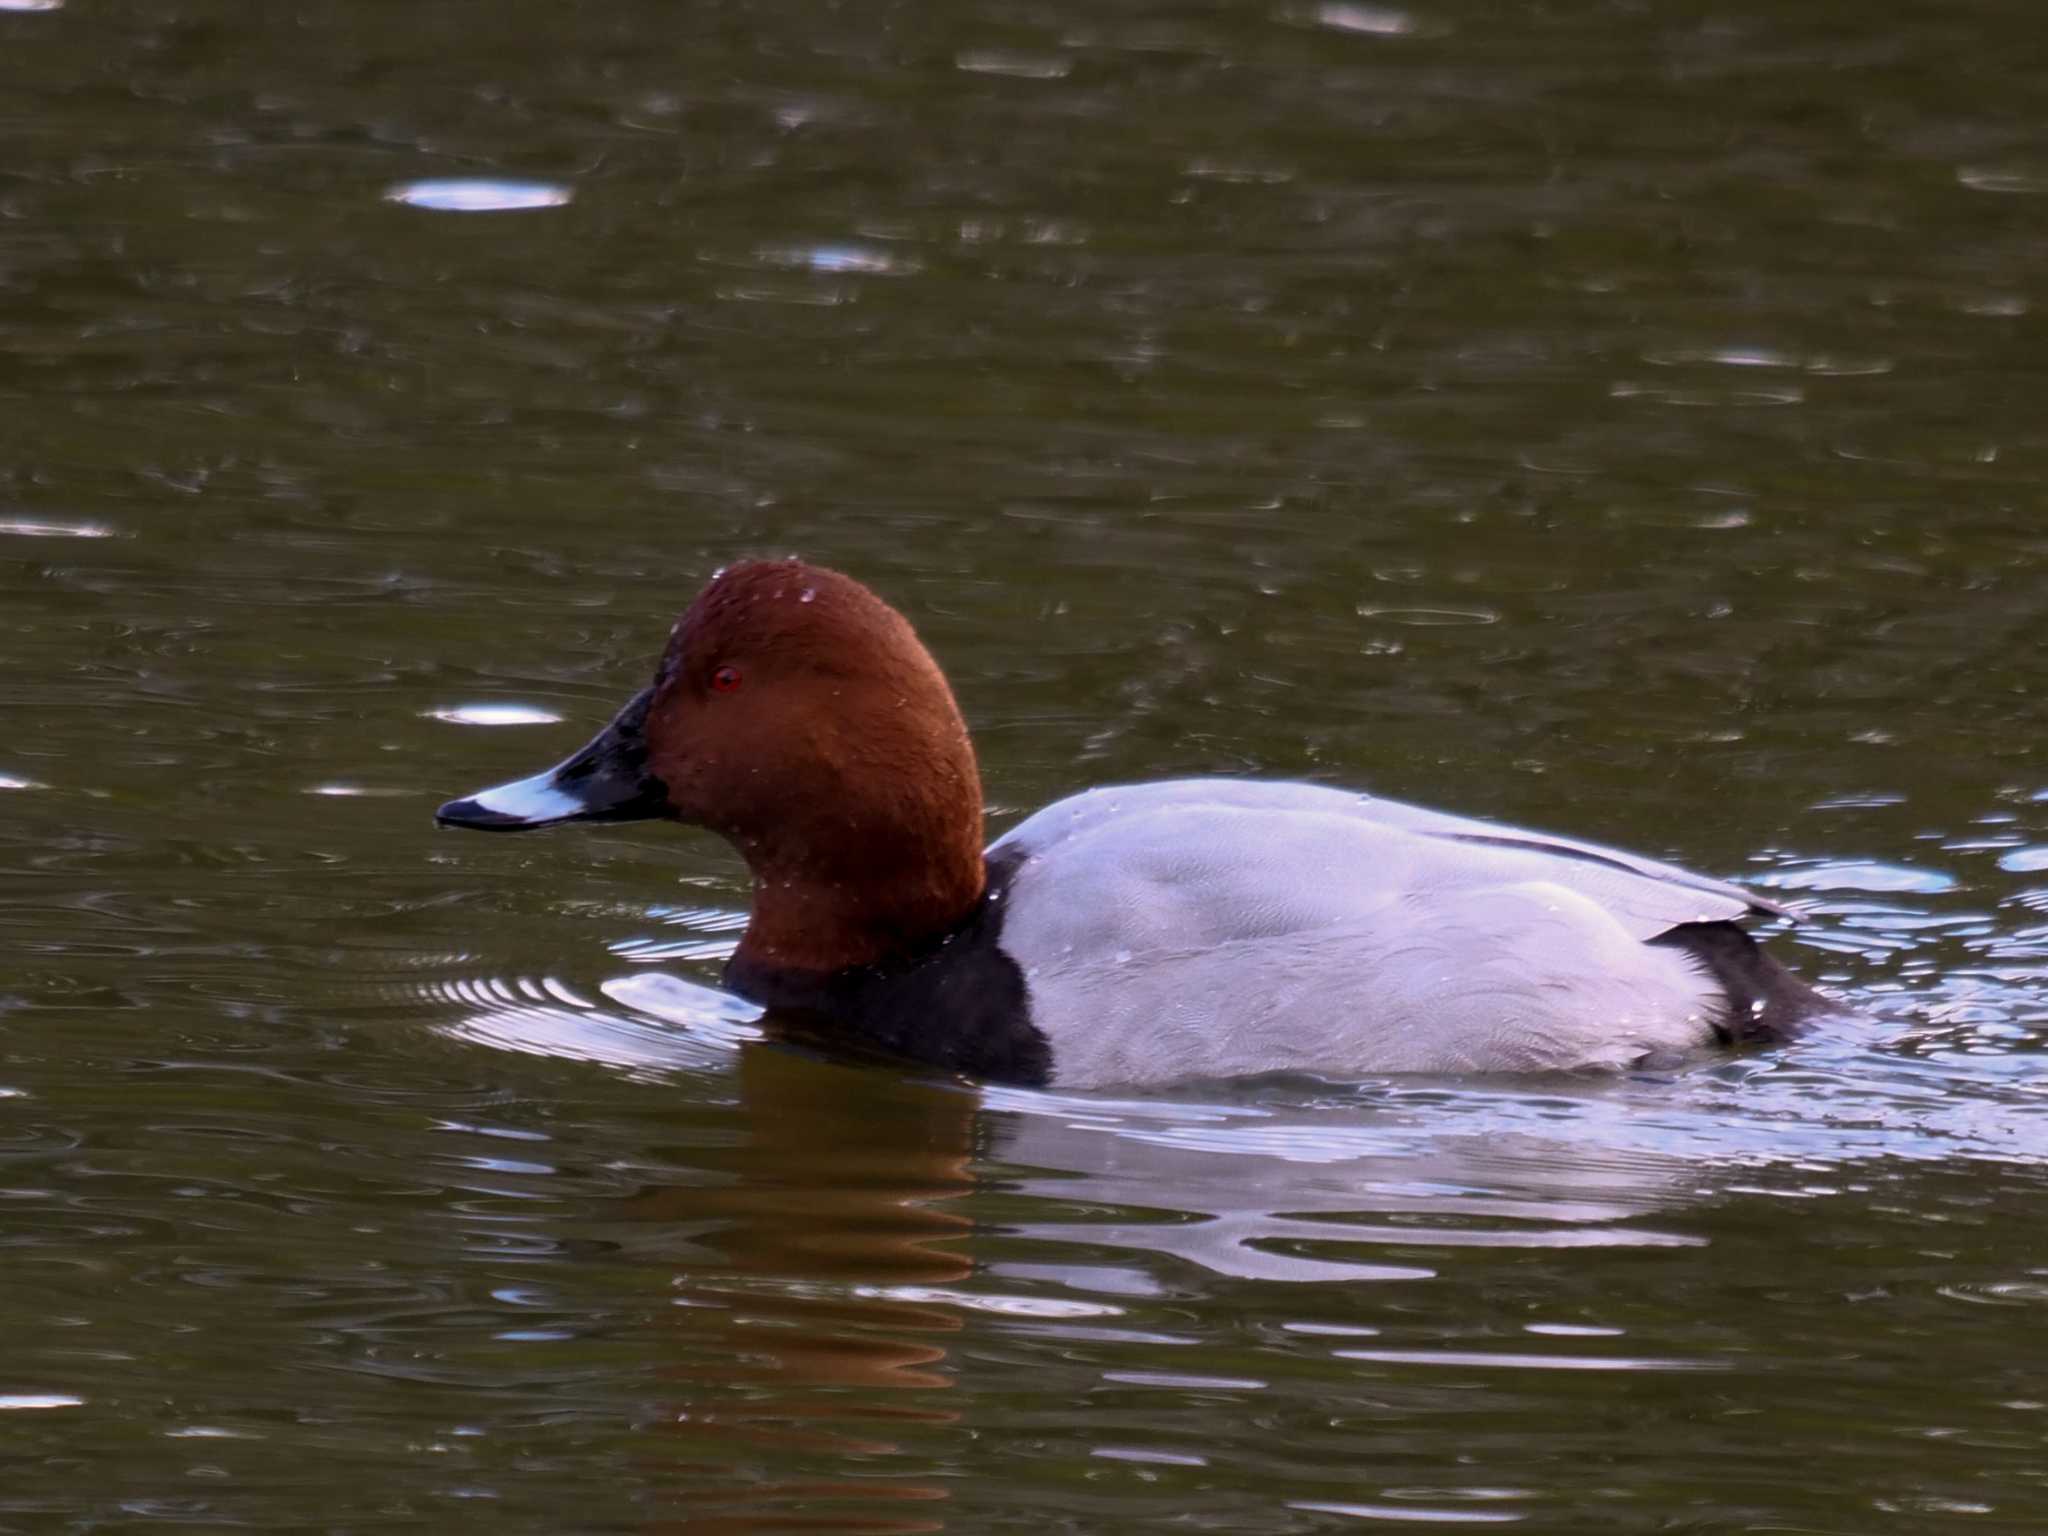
(607,781)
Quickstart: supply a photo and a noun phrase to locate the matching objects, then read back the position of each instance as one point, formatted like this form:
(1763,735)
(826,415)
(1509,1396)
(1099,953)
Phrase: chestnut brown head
(797,715)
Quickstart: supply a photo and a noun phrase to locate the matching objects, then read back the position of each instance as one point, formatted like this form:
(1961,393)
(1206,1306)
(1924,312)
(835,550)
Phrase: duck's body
(1135,935)
(1213,928)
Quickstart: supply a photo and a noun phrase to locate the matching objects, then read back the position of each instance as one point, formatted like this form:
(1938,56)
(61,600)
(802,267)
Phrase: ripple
(29,1402)
(1848,367)
(837,260)
(1727,357)
(1371,20)
(31,5)
(983,1301)
(357,792)
(702,919)
(9,781)
(2031,1291)
(712,933)
(1185,1382)
(1018,66)
(30,528)
(683,1002)
(671,1025)
(754,293)
(1147,1456)
(1429,618)
(1987,179)
(1240,172)
(1415,1513)
(2025,860)
(1855,875)
(594,1036)
(479,195)
(494,991)
(656,951)
(1662,395)
(494,714)
(1511,1360)
(1769,357)
(2001,306)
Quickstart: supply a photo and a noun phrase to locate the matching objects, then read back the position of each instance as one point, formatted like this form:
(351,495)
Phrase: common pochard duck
(1138,934)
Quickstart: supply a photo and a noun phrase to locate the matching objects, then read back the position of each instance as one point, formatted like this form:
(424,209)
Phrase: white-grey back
(1213,928)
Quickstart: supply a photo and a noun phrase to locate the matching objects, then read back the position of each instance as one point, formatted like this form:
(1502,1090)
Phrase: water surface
(1619,419)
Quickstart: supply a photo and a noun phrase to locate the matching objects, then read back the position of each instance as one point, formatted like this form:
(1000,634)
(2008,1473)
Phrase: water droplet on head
(808,595)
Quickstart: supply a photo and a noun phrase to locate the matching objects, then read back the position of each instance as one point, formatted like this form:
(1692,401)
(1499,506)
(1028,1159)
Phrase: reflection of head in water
(824,1278)
(841,1176)
(810,1325)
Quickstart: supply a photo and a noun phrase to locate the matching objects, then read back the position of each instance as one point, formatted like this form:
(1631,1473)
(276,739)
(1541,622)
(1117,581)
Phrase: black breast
(958,1003)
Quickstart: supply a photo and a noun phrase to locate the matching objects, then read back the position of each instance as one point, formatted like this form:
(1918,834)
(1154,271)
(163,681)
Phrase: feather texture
(1211,928)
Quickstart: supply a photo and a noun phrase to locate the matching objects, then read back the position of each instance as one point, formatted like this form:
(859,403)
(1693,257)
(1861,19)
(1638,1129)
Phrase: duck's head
(798,716)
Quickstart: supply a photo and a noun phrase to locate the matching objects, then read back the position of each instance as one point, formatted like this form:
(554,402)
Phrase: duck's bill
(607,781)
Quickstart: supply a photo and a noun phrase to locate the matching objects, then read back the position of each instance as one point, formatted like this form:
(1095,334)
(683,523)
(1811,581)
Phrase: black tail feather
(1767,1004)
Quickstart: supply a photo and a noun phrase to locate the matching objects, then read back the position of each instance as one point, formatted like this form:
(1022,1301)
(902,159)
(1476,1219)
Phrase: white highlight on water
(30,528)
(495,714)
(479,195)
(838,260)
(1020,66)
(1375,20)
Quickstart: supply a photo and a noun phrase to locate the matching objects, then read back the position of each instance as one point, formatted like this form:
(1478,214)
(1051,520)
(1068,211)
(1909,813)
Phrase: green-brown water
(1624,419)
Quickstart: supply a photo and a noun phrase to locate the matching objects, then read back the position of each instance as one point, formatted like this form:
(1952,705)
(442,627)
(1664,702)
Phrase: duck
(1134,935)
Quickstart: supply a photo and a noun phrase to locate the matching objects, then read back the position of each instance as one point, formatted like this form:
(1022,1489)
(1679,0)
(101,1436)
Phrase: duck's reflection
(828,1304)
(823,1273)
(814,1339)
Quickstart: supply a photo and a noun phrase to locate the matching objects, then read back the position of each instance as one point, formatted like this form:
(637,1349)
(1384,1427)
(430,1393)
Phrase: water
(1618,419)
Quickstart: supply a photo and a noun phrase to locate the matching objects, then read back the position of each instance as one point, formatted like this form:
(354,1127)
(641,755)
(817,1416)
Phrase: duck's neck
(889,905)
(956,1001)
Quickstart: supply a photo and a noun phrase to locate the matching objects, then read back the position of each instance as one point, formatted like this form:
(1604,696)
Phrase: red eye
(725,680)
